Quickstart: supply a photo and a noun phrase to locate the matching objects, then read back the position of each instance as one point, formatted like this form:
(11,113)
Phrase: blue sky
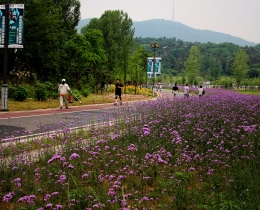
(236,17)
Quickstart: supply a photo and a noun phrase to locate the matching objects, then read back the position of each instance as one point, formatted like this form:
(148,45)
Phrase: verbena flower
(8,197)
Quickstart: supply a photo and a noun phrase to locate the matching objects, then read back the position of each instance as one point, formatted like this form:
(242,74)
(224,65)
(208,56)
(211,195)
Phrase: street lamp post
(154,46)
(4,94)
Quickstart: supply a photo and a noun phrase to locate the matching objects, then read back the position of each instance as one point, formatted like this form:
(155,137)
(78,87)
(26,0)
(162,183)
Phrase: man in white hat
(63,92)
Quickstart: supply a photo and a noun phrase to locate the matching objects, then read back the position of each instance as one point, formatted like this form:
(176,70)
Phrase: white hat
(63,80)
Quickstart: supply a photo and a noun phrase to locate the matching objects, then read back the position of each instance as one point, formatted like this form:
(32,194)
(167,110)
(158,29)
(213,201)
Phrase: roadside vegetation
(195,153)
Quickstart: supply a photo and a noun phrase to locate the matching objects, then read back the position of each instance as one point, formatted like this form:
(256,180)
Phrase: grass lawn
(250,92)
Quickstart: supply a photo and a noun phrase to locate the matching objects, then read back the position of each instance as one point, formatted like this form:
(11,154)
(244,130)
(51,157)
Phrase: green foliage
(215,59)
(227,82)
(51,90)
(192,65)
(11,90)
(85,91)
(240,66)
(253,73)
(76,93)
(210,67)
(45,33)
(137,66)
(40,92)
(21,93)
(118,34)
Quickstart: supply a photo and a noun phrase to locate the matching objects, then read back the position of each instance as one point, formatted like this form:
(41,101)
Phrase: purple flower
(74,156)
(17,180)
(70,166)
(49,205)
(132,147)
(47,197)
(116,136)
(55,193)
(101,141)
(84,176)
(58,206)
(28,199)
(55,157)
(63,178)
(8,197)
(146,130)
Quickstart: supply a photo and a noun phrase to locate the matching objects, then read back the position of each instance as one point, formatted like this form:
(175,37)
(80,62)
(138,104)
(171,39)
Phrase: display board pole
(4,94)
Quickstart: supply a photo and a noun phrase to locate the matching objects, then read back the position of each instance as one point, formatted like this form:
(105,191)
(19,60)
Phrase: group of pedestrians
(186,90)
(64,89)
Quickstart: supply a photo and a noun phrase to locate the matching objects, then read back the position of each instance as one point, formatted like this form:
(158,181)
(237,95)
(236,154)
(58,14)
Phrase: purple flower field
(194,153)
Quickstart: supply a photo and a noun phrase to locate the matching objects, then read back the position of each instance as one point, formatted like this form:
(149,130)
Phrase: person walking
(160,86)
(175,89)
(63,92)
(118,92)
(186,91)
(200,91)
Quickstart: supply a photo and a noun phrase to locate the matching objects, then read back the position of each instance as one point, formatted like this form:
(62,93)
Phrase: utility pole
(154,46)
(5,85)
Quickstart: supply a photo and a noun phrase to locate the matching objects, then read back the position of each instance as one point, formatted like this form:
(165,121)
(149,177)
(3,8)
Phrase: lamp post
(5,85)
(154,46)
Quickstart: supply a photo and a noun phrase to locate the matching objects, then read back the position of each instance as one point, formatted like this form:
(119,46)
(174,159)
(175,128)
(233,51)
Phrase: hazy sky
(239,18)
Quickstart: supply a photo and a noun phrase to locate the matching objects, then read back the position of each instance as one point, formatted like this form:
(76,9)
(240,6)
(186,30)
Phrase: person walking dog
(63,92)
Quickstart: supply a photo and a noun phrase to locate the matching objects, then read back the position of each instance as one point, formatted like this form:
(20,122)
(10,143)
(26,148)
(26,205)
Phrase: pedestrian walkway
(24,122)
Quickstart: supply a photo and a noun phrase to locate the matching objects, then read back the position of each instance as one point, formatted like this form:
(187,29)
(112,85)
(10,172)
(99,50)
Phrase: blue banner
(15,24)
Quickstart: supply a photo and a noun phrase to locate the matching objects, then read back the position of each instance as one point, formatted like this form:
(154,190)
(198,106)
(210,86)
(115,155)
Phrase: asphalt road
(14,124)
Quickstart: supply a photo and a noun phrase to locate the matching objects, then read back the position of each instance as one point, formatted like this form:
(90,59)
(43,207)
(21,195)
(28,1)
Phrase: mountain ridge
(157,28)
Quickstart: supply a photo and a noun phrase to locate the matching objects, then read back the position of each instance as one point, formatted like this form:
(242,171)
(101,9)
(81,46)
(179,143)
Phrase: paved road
(21,123)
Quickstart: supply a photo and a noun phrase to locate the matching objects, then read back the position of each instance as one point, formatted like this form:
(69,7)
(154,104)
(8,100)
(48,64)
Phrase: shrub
(86,91)
(51,90)
(11,90)
(77,94)
(20,94)
(30,90)
(40,91)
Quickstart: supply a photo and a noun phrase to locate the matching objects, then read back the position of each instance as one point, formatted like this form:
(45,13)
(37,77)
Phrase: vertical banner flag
(150,66)
(16,25)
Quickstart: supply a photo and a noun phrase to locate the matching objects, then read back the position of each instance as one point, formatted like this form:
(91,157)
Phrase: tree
(210,67)
(240,66)
(138,65)
(48,24)
(98,58)
(76,59)
(192,65)
(118,34)
(69,16)
(41,40)
(253,73)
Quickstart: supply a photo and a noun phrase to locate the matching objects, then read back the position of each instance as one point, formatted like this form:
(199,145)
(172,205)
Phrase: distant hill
(157,28)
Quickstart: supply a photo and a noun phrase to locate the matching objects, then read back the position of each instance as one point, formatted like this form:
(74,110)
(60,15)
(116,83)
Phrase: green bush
(20,94)
(76,93)
(86,91)
(11,90)
(30,90)
(51,90)
(40,91)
